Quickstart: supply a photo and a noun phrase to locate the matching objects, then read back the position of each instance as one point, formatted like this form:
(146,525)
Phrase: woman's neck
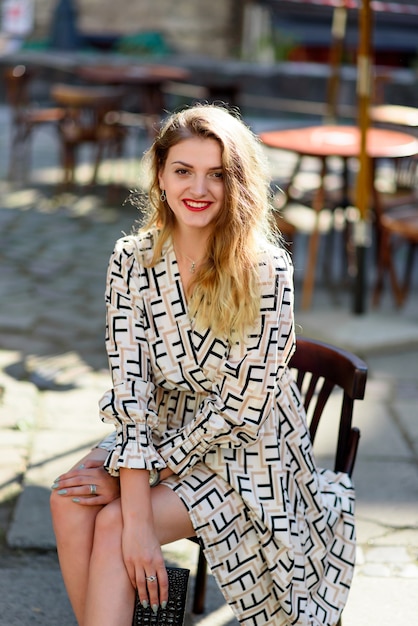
(190,248)
(190,254)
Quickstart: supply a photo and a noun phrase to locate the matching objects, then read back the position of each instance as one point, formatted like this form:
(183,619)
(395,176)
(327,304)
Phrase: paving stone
(406,412)
(19,404)
(380,434)
(15,318)
(410,570)
(60,371)
(387,554)
(79,408)
(369,532)
(376,570)
(381,601)
(13,462)
(397,537)
(387,492)
(41,604)
(360,558)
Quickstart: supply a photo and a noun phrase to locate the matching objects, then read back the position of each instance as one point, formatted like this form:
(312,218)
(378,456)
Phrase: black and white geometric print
(278,533)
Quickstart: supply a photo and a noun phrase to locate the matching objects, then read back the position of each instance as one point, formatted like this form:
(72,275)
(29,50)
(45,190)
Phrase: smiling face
(193,181)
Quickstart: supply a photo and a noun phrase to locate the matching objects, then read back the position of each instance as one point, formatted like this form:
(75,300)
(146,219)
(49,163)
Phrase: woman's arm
(140,546)
(129,405)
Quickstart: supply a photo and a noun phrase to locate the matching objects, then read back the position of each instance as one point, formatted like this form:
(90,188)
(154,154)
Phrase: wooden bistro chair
(319,369)
(397,218)
(85,122)
(26,117)
(404,119)
(397,227)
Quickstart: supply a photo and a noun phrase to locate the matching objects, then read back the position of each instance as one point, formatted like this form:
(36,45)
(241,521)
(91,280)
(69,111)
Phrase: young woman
(210,437)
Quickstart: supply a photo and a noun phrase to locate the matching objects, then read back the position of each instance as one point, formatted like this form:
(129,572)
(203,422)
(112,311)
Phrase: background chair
(397,215)
(319,369)
(85,122)
(26,116)
(403,119)
(397,227)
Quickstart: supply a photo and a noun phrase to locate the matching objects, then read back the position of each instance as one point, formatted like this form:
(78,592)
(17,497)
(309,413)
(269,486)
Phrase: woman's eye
(181,171)
(218,175)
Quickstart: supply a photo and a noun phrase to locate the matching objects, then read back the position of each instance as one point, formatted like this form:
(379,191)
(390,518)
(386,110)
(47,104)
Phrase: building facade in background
(188,26)
(267,31)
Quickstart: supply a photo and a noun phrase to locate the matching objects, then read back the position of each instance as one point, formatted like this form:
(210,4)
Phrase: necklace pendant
(193,267)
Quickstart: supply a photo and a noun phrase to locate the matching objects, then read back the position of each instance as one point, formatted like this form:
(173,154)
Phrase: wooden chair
(397,227)
(404,119)
(319,369)
(397,216)
(86,108)
(25,117)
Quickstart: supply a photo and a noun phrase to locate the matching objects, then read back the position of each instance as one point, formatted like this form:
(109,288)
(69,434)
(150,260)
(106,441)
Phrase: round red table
(336,141)
(342,141)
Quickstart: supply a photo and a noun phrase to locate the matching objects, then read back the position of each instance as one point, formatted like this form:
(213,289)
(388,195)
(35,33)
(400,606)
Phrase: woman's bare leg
(74,531)
(110,595)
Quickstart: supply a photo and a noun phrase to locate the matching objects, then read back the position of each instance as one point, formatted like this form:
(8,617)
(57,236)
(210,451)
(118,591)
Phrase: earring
(163,196)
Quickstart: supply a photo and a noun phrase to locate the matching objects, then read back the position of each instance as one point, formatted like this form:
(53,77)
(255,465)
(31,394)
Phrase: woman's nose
(199,185)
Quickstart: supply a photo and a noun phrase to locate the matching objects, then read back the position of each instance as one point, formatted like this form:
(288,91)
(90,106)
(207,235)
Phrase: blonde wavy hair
(224,294)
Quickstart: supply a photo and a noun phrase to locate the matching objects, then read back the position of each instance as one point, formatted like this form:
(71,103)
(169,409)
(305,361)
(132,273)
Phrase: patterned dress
(227,418)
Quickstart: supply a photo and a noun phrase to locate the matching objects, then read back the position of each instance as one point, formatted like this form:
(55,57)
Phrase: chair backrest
(321,368)
(16,80)
(86,97)
(86,106)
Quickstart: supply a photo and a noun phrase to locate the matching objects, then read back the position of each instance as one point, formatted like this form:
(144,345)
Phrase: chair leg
(406,285)
(19,152)
(68,159)
(15,150)
(400,290)
(200,584)
(310,267)
(383,264)
(97,161)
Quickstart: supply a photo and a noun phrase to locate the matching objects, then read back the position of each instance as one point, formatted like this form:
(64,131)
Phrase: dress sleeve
(108,443)
(129,405)
(243,392)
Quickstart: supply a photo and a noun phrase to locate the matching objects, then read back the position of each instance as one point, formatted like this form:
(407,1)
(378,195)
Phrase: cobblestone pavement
(54,249)
(53,268)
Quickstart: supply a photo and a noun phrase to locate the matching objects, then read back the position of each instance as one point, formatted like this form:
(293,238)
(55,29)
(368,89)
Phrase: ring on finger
(93,490)
(150,579)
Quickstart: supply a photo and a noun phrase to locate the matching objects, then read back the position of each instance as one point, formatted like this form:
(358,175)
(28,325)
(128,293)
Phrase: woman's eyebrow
(216,167)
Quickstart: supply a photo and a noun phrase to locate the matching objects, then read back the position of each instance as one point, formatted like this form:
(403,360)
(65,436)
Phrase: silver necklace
(192,267)
(193,264)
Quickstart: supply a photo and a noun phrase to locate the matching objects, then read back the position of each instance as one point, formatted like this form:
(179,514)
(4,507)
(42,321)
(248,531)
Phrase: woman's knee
(69,517)
(108,522)
(60,507)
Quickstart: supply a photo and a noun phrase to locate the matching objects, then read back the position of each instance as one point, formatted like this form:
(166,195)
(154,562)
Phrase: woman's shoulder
(274,256)
(140,244)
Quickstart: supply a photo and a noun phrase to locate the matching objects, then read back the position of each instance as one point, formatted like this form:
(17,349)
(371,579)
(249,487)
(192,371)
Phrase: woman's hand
(144,563)
(141,548)
(88,483)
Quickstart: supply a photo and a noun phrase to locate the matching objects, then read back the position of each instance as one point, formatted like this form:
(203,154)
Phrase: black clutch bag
(173,614)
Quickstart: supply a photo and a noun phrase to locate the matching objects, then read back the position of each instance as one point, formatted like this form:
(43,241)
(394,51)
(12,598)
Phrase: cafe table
(395,115)
(327,141)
